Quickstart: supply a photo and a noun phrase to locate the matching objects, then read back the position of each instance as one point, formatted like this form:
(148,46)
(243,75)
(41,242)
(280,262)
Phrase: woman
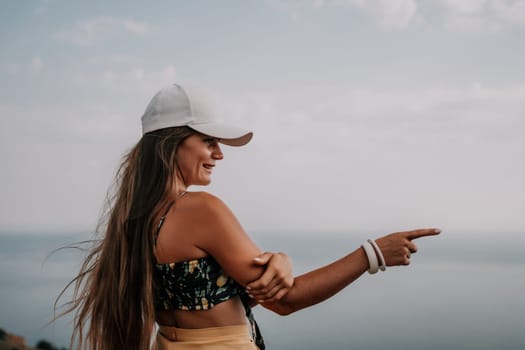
(181,259)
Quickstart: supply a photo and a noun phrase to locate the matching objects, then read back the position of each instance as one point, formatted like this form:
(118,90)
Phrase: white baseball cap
(176,106)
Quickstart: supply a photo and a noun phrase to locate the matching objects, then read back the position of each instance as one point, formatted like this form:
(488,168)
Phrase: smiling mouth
(208,166)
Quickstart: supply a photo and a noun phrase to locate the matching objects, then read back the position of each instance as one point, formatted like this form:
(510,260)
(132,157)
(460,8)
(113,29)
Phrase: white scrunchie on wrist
(372,258)
(382,262)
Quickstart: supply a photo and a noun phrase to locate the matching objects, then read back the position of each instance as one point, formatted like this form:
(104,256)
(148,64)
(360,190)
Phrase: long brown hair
(113,292)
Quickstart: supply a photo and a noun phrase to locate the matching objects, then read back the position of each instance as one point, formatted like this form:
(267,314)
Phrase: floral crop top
(197,284)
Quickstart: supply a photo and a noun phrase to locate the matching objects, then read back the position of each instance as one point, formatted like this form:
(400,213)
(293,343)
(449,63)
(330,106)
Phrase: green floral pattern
(197,284)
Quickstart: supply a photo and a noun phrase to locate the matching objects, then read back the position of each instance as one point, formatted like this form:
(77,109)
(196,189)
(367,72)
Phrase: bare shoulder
(197,220)
(217,232)
(211,214)
(205,201)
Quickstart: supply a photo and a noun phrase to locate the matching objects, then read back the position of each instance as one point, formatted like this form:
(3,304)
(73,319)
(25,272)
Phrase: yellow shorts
(215,338)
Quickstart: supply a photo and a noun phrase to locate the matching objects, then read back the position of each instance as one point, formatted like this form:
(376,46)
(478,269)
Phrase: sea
(461,291)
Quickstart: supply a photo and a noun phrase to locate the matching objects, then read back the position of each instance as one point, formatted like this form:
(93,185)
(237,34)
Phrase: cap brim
(227,134)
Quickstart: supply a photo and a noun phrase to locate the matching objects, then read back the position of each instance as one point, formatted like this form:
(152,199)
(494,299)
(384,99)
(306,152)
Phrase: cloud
(375,118)
(464,6)
(319,3)
(61,148)
(512,12)
(11,68)
(422,153)
(124,81)
(115,59)
(135,27)
(101,28)
(508,11)
(389,13)
(363,119)
(482,15)
(439,150)
(37,64)
(472,15)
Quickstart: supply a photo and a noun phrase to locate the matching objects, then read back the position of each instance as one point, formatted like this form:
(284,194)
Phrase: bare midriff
(227,313)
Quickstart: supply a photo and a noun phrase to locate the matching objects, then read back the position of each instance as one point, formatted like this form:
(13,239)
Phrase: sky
(368,116)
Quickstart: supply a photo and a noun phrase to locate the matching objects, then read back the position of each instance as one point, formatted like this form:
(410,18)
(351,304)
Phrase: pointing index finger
(423,233)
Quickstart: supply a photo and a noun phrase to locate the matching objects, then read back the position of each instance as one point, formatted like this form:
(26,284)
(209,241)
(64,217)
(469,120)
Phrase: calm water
(461,292)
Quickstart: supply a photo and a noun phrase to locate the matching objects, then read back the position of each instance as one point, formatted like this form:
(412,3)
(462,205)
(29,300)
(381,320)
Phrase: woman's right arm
(222,236)
(318,285)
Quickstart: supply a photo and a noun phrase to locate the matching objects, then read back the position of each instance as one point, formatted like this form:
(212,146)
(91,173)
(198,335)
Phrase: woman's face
(196,157)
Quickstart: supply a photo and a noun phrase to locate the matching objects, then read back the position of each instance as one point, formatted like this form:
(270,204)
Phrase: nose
(217,152)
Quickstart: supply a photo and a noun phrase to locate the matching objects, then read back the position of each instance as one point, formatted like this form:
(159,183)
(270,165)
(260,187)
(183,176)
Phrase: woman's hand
(397,247)
(276,280)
